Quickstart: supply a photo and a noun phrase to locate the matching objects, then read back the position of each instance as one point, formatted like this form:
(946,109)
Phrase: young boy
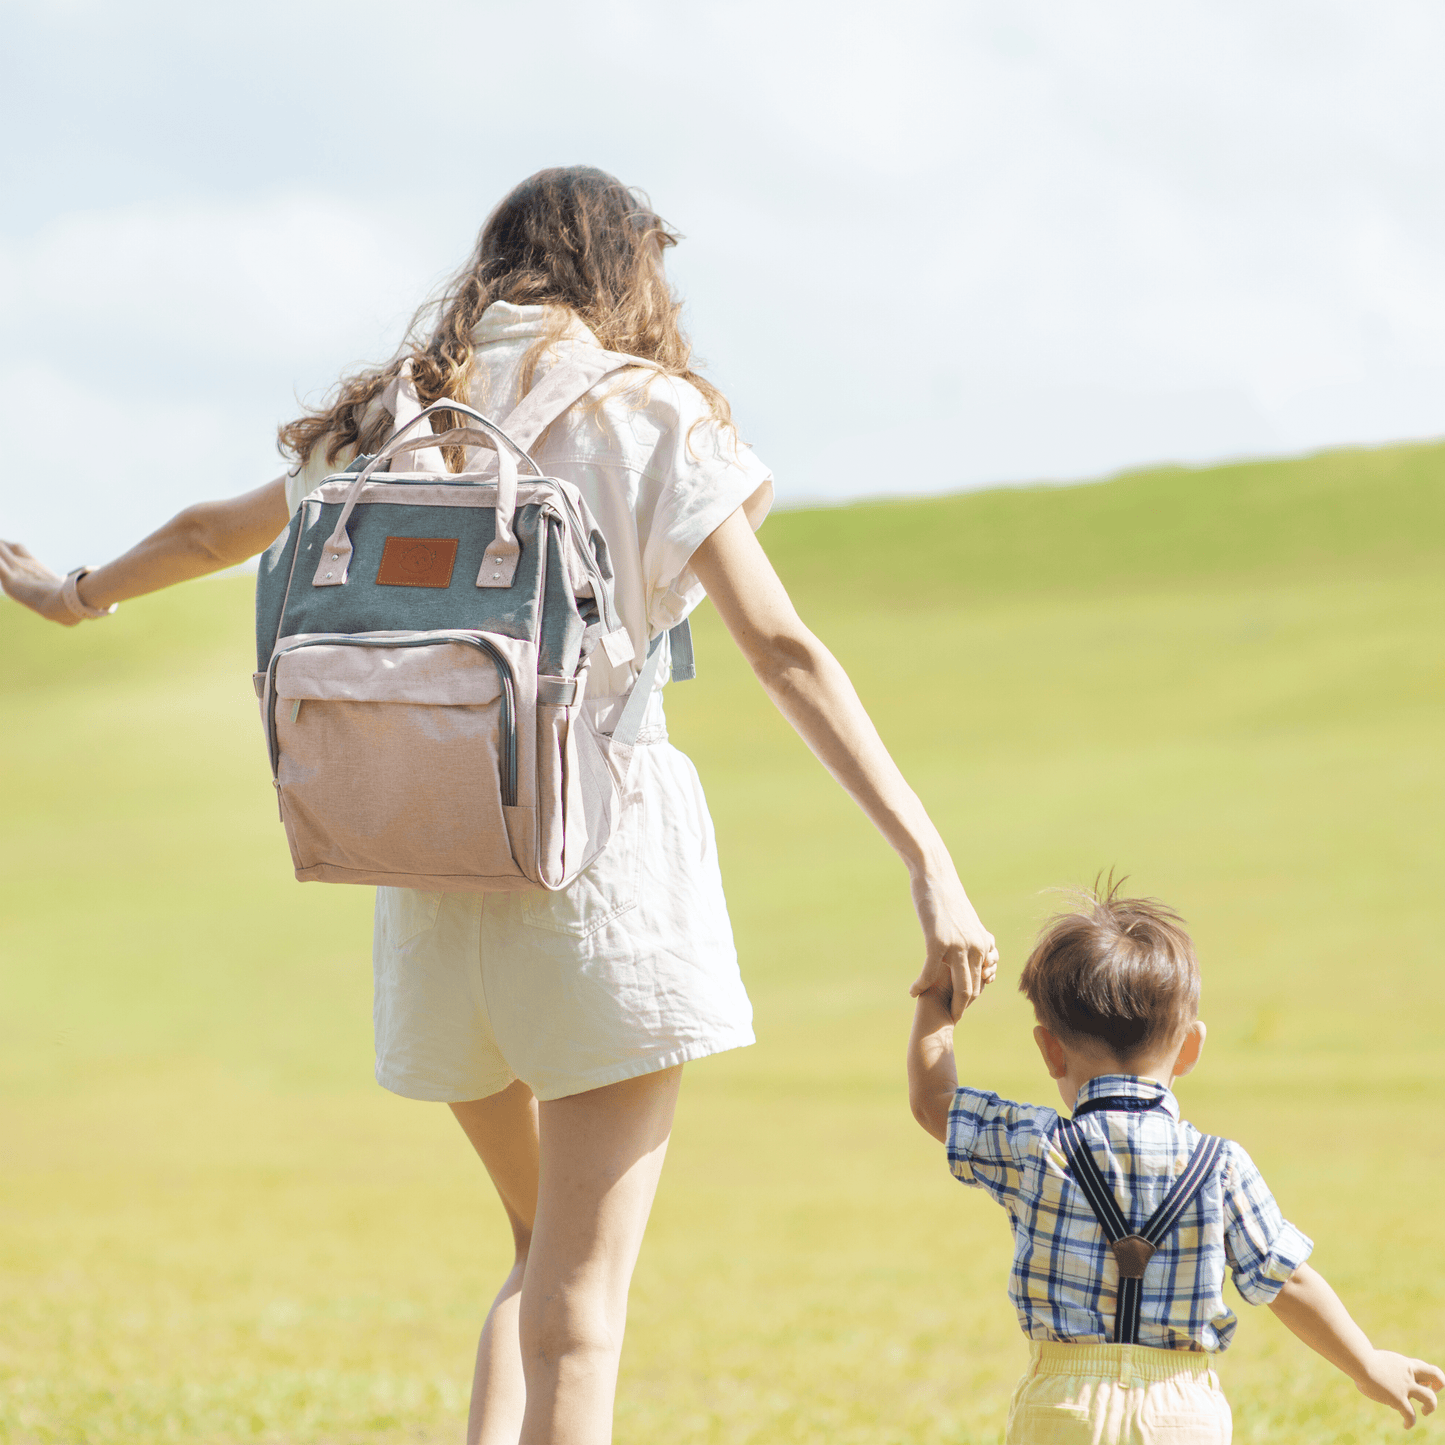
(1125,1217)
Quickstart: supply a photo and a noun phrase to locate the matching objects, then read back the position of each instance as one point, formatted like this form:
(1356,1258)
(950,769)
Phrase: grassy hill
(1228,683)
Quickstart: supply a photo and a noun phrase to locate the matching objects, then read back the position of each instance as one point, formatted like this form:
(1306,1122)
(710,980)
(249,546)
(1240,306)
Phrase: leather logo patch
(417,562)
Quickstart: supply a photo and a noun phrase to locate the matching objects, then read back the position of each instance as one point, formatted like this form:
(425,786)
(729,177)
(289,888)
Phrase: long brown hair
(571,238)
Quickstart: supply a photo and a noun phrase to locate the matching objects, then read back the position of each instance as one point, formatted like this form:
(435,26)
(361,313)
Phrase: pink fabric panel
(374,787)
(442,675)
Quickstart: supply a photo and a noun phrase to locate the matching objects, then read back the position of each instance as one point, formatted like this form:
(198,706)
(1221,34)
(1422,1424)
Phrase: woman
(556,1025)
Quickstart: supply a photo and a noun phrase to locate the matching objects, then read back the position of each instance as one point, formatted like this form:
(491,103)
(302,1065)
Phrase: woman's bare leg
(503,1131)
(601,1154)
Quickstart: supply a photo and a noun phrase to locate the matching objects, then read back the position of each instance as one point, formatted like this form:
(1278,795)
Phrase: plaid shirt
(1064,1280)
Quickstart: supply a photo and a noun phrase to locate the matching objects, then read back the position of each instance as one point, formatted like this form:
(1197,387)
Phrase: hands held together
(961,957)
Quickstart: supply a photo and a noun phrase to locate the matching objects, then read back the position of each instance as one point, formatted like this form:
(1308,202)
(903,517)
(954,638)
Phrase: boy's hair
(1120,971)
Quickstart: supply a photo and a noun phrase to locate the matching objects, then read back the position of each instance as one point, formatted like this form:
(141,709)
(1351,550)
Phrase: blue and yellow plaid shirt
(1064,1283)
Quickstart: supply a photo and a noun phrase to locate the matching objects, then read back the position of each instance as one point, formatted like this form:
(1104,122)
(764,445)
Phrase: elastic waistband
(1111,1362)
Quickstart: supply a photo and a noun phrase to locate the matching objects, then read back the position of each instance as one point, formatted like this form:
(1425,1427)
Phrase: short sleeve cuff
(1289,1250)
(731,486)
(965,1118)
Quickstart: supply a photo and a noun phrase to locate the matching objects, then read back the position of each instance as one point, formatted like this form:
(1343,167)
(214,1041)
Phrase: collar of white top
(503,321)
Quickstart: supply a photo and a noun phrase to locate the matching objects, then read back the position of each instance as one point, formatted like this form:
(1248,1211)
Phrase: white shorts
(630,970)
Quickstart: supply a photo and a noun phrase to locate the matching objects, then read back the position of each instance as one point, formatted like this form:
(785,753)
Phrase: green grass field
(1230,684)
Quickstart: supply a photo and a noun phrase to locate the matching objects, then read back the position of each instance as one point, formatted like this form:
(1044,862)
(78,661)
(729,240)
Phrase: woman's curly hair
(572,238)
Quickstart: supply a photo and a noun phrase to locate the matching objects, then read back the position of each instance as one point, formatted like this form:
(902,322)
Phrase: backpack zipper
(471,639)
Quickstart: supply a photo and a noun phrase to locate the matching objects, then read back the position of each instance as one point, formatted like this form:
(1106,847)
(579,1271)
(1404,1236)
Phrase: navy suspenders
(1132,1250)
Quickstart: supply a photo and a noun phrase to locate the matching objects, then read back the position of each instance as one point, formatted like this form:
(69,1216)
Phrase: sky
(928,246)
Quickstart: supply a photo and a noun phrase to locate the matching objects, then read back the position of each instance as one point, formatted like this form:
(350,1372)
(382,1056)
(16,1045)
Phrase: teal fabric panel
(271,579)
(539,605)
(362,605)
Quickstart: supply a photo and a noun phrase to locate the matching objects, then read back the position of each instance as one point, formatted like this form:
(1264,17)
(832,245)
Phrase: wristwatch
(70,595)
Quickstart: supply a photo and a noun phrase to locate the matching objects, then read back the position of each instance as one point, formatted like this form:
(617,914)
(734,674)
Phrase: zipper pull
(296,709)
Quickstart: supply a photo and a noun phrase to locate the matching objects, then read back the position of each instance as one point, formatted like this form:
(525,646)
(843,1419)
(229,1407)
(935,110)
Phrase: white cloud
(188,287)
(151,351)
(1033,240)
(88,472)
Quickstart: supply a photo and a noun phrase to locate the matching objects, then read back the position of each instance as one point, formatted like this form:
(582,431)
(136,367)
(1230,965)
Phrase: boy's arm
(932,1075)
(1313,1311)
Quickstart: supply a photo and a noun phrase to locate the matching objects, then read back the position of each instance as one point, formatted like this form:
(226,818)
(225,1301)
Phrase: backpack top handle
(499,564)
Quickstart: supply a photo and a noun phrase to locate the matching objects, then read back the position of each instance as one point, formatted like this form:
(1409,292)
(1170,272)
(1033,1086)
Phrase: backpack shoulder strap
(679,646)
(1133,1251)
(630,723)
(563,386)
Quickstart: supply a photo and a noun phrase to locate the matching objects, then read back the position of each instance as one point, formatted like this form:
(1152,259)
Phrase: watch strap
(70,596)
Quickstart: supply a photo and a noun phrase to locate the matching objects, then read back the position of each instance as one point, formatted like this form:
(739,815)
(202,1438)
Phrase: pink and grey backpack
(423,640)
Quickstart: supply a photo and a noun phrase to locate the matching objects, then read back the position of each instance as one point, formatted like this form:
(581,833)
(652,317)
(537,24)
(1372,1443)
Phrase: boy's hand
(1312,1310)
(1398,1380)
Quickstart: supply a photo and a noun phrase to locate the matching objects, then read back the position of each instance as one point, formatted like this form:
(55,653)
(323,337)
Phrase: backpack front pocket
(395,756)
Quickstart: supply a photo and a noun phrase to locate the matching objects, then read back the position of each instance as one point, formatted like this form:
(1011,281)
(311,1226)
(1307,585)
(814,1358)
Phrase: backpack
(422,646)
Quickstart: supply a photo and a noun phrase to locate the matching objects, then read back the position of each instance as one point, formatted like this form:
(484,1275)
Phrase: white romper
(631,969)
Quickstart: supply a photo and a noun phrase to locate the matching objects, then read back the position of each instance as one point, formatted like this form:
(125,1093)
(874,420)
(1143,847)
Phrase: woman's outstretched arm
(813,692)
(204,538)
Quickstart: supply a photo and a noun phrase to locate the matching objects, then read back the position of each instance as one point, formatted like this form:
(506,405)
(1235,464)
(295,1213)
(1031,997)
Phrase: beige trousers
(1118,1395)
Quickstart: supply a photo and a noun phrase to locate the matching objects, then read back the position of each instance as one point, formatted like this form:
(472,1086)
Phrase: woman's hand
(32,584)
(961,955)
